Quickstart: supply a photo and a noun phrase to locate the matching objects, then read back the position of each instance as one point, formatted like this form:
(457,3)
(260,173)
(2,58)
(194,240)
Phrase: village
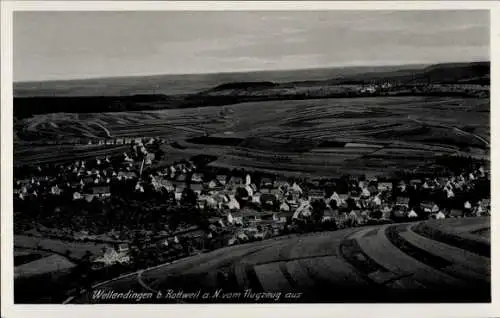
(146,213)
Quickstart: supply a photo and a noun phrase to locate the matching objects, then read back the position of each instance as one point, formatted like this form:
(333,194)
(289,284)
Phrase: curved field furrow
(443,126)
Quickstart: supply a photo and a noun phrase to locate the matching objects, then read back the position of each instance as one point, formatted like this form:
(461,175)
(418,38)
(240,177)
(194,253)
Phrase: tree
(351,204)
(188,197)
(241,193)
(333,204)
(318,211)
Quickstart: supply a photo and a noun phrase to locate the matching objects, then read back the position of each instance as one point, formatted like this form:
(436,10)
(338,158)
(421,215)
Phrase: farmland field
(24,154)
(76,250)
(323,136)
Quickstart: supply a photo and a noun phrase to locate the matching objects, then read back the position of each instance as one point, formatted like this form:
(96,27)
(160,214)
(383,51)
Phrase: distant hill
(244,85)
(260,86)
(477,72)
(184,84)
(453,73)
(473,73)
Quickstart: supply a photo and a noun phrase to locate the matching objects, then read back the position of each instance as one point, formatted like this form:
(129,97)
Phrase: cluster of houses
(248,208)
(470,89)
(125,141)
(268,208)
(99,141)
(86,179)
(111,255)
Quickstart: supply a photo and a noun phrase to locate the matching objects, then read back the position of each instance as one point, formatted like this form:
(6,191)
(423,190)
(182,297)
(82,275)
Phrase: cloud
(51,45)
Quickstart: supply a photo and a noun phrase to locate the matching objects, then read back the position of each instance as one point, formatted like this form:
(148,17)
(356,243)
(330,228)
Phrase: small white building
(111,256)
(412,214)
(55,190)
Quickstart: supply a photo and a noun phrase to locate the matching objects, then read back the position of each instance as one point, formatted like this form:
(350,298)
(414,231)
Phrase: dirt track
(437,262)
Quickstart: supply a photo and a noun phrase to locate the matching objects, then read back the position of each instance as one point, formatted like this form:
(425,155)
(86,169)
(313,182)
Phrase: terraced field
(177,123)
(325,136)
(30,155)
(431,262)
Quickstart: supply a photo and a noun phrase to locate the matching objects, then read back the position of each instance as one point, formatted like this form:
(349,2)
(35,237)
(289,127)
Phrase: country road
(431,261)
(106,130)
(486,142)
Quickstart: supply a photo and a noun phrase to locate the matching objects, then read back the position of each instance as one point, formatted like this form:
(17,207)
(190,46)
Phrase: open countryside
(155,191)
(331,136)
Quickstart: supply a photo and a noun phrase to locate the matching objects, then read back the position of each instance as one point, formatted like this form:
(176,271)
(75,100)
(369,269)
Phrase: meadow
(317,136)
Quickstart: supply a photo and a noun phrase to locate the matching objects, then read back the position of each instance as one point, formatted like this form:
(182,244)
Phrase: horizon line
(422,64)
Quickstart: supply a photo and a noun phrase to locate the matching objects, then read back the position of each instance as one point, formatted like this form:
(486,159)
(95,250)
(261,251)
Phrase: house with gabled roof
(197,188)
(266,183)
(179,189)
(197,178)
(384,186)
(127,175)
(101,191)
(402,201)
(236,181)
(221,179)
(316,195)
(181,178)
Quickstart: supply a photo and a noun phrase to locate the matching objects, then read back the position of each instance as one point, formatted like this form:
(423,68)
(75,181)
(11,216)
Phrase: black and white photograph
(251,157)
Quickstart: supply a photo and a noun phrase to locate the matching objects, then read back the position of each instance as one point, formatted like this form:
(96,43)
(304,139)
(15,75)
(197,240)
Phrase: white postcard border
(242,311)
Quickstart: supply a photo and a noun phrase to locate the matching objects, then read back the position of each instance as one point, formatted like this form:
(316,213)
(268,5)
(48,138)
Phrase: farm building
(329,215)
(205,201)
(212,184)
(178,191)
(277,193)
(247,215)
(120,247)
(88,180)
(197,177)
(233,204)
(127,175)
(314,184)
(304,210)
(181,178)
(197,188)
(112,256)
(281,184)
(55,190)
(427,205)
(384,186)
(284,207)
(296,189)
(316,195)
(266,183)
(415,182)
(222,179)
(268,199)
(485,203)
(285,216)
(402,201)
(362,184)
(456,213)
(101,191)
(148,160)
(235,181)
(159,183)
(256,198)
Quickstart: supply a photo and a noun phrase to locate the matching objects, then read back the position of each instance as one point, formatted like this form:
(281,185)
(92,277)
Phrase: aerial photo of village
(358,171)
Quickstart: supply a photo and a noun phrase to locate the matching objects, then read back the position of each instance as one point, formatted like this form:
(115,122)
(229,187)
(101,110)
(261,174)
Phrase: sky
(73,45)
